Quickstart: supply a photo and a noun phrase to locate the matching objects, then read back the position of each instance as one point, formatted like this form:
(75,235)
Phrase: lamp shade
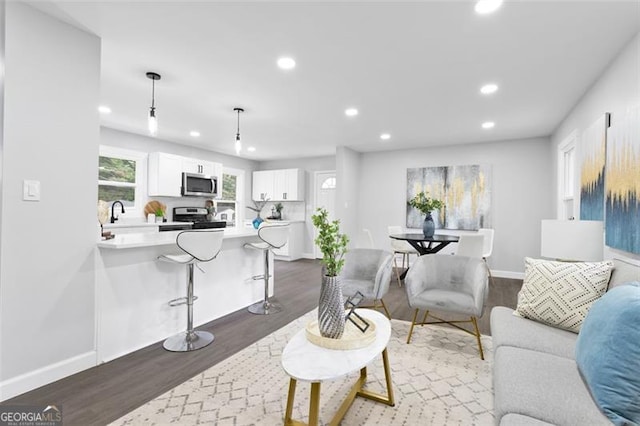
(573,240)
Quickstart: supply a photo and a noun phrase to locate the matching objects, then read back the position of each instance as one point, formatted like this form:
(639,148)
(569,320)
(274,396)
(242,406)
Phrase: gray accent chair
(367,271)
(453,284)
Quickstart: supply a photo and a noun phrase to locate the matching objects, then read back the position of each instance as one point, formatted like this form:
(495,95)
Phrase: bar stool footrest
(180,301)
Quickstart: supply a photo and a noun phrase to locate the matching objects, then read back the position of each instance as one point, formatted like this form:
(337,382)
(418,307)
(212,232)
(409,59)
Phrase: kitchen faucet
(113,218)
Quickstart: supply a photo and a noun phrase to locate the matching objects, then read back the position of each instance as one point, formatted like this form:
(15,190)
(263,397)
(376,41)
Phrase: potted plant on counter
(333,245)
(277,207)
(426,205)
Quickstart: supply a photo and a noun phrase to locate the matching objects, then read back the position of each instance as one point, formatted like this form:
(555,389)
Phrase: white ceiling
(413,69)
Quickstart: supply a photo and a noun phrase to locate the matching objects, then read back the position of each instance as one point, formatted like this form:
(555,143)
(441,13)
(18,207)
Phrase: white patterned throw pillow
(561,293)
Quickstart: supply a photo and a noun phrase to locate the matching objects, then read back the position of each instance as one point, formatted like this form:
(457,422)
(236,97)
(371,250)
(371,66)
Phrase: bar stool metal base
(265,307)
(188,341)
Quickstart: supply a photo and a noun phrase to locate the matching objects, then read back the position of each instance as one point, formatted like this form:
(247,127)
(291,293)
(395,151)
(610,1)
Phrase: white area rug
(438,379)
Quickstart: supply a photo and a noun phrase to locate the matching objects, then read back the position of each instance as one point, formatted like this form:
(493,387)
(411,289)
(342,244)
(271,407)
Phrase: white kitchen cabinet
(293,249)
(164,175)
(279,185)
(262,188)
(193,165)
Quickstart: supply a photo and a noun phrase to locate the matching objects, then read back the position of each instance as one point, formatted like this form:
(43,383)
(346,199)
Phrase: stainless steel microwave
(197,185)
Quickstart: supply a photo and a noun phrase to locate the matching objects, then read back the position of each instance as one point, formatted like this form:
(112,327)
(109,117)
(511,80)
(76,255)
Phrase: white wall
(521,193)
(615,91)
(349,183)
(147,144)
(50,134)
(309,165)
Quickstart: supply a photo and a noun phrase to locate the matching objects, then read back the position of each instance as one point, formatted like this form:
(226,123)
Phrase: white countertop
(117,225)
(125,241)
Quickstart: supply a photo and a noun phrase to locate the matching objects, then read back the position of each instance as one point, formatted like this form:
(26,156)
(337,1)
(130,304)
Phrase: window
(229,207)
(566,177)
(329,183)
(120,173)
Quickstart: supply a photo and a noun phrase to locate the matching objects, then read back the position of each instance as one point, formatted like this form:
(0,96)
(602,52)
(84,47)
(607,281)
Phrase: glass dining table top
(436,238)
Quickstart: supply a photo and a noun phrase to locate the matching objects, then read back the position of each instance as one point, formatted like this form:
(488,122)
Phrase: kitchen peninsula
(133,288)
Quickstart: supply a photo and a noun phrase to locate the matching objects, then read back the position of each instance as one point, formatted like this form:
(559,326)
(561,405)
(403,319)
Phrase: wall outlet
(31,190)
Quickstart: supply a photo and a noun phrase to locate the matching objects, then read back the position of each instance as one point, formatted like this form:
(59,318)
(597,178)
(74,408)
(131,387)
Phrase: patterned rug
(438,379)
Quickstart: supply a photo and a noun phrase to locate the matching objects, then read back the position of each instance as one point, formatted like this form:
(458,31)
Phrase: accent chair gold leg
(385,308)
(424,318)
(415,315)
(475,326)
(314,404)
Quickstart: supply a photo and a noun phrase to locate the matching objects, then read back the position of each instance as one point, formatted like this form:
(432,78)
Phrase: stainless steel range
(197,215)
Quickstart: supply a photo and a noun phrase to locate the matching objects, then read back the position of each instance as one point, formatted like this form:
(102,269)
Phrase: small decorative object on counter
(259,205)
(159,215)
(426,205)
(277,214)
(333,244)
(211,210)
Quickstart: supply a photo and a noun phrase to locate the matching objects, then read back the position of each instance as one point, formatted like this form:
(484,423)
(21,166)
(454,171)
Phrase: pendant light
(238,143)
(153,120)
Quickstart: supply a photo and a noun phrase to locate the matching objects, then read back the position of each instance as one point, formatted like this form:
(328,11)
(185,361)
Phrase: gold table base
(356,390)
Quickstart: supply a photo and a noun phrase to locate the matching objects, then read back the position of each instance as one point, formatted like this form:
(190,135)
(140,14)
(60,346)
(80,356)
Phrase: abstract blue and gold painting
(622,183)
(465,190)
(593,148)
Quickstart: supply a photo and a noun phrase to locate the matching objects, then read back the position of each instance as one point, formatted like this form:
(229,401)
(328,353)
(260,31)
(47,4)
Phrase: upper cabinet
(165,175)
(279,185)
(165,172)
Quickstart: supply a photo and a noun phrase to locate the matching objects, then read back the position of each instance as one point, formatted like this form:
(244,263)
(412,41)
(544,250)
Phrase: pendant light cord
(153,93)
(238,132)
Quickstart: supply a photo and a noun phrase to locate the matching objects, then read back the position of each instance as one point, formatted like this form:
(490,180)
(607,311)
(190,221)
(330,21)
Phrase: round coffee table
(302,360)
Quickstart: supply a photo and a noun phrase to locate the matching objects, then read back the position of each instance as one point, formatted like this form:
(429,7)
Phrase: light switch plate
(31,190)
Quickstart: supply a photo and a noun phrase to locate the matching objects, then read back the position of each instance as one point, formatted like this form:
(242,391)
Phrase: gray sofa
(535,377)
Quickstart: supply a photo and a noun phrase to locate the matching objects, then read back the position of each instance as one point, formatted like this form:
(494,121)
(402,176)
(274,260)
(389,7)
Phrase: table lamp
(572,240)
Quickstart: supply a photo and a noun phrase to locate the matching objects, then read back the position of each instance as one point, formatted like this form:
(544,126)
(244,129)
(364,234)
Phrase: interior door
(325,196)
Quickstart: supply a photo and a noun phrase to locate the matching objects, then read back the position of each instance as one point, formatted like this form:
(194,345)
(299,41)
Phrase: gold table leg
(356,390)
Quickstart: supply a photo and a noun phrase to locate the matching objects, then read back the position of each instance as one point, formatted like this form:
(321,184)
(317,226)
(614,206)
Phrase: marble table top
(302,360)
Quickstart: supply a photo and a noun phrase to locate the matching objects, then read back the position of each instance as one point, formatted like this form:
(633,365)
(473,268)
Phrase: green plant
(278,207)
(332,243)
(425,204)
(159,212)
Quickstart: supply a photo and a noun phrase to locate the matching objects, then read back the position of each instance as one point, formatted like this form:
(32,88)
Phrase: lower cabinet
(293,249)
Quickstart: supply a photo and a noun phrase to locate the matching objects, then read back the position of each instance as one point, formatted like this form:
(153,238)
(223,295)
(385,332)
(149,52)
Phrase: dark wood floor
(104,393)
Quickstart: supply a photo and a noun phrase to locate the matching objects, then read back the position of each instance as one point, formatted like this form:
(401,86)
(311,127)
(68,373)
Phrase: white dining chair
(400,247)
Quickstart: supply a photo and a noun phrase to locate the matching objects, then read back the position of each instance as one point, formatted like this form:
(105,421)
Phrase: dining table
(425,245)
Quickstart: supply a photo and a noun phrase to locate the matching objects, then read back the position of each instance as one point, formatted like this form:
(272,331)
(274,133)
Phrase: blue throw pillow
(608,353)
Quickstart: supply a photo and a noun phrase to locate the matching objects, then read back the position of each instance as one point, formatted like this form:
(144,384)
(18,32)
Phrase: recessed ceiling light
(351,112)
(488,89)
(104,109)
(385,136)
(286,63)
(484,7)
(251,149)
(488,125)
(194,133)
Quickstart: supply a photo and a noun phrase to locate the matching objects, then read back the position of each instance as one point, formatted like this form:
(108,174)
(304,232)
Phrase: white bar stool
(198,246)
(273,237)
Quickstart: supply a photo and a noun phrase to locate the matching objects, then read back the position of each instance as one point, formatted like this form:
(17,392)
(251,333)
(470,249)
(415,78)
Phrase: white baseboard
(508,274)
(308,256)
(34,379)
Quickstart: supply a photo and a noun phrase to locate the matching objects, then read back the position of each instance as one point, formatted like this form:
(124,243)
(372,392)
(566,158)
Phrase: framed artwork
(465,190)
(593,149)
(622,183)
